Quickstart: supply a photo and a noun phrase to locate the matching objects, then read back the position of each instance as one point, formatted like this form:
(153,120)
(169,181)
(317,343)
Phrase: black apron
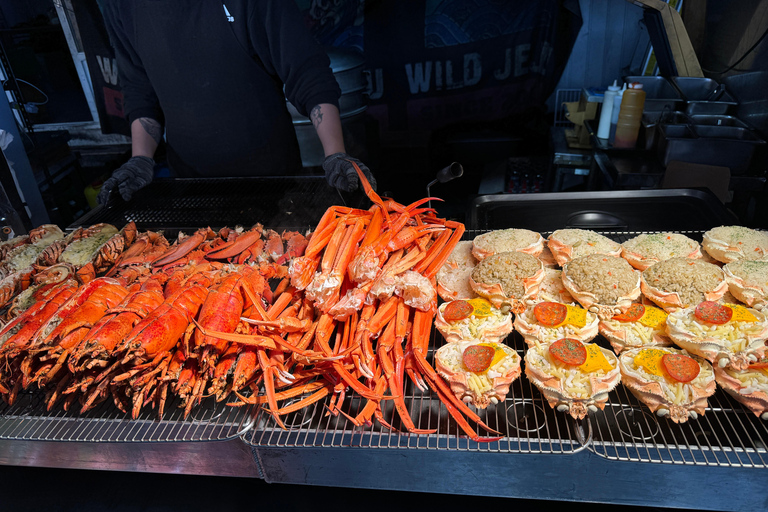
(224,114)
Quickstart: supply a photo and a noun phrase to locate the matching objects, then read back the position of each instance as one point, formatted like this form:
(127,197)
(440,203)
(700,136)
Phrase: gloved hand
(340,174)
(134,174)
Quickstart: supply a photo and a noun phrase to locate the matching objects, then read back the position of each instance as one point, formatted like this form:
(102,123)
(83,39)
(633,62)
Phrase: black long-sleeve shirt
(217,75)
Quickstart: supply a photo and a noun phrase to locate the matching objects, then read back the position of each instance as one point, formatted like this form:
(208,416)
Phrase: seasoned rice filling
(689,278)
(608,278)
(585,241)
(661,246)
(741,243)
(509,269)
(505,240)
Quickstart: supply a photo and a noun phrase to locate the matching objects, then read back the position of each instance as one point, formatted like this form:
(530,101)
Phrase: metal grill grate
(28,419)
(191,203)
(527,423)
(727,435)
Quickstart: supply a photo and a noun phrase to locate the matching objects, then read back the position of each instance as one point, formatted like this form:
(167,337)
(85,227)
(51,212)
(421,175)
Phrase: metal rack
(29,420)
(727,435)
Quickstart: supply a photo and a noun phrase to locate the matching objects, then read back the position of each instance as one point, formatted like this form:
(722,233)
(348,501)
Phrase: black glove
(134,174)
(341,174)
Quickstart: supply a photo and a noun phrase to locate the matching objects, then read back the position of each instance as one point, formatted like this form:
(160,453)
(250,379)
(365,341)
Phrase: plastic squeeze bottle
(604,126)
(615,112)
(630,115)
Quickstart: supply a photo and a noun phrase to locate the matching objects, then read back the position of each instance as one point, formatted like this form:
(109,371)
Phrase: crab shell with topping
(589,300)
(453,276)
(715,243)
(552,387)
(491,329)
(671,301)
(642,262)
(563,252)
(481,250)
(622,336)
(756,400)
(496,295)
(448,363)
(713,348)
(654,395)
(534,333)
(755,294)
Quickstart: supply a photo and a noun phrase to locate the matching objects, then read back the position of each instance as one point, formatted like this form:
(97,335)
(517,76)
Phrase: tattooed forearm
(316,116)
(152,127)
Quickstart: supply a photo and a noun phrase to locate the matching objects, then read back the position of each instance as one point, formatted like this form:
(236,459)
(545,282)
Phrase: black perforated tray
(190,203)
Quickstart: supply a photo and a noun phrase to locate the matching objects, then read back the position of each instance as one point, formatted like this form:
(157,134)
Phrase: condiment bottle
(615,112)
(630,115)
(604,126)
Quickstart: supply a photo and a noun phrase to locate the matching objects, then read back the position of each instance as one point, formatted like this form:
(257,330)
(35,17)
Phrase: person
(214,77)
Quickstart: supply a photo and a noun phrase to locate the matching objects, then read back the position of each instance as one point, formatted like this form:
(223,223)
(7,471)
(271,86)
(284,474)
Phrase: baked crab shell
(564,252)
(488,244)
(689,249)
(658,392)
(554,389)
(671,300)
(749,387)
(748,282)
(479,389)
(625,335)
(495,293)
(735,344)
(489,329)
(731,243)
(534,333)
(590,302)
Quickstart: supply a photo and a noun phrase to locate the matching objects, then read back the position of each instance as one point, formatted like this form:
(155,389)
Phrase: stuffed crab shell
(472,320)
(508,279)
(478,373)
(639,326)
(646,249)
(748,282)
(453,276)
(605,285)
(547,322)
(552,288)
(506,240)
(723,334)
(567,244)
(731,243)
(573,376)
(748,386)
(682,282)
(669,381)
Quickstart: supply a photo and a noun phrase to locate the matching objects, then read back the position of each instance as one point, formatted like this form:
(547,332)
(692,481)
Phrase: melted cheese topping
(654,318)
(576,316)
(574,380)
(505,360)
(644,364)
(734,336)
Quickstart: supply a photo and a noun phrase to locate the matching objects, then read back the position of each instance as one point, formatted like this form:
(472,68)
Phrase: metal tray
(726,435)
(726,146)
(619,210)
(704,95)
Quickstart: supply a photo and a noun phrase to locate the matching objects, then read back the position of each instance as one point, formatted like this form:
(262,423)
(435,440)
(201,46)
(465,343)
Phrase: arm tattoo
(152,127)
(316,116)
